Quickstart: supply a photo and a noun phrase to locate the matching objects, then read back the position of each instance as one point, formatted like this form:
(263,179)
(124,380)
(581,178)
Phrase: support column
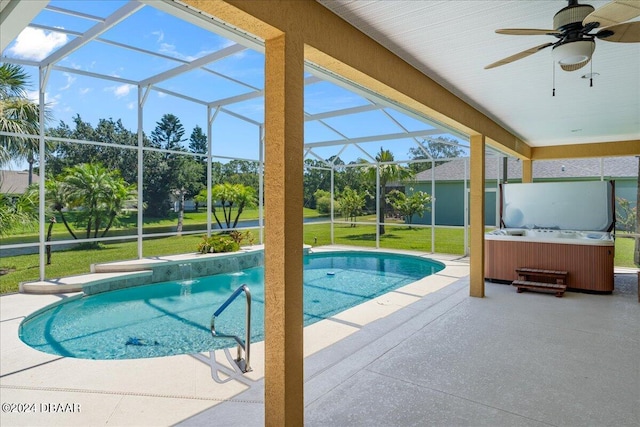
(476,287)
(527,170)
(284,130)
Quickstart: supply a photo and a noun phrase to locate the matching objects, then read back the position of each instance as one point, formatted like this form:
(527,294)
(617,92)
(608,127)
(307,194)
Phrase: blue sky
(150,29)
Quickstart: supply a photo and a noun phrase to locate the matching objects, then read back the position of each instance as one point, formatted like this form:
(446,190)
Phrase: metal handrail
(246,346)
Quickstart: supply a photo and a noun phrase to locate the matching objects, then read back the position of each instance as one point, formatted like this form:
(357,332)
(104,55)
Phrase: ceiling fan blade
(517,56)
(613,13)
(527,32)
(629,32)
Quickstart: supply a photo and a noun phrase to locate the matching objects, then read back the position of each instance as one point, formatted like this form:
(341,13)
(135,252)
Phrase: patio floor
(426,354)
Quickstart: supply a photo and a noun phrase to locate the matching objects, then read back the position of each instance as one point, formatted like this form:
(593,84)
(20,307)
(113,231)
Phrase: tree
(315,179)
(69,154)
(438,148)
(18,213)
(161,173)
(388,172)
(18,114)
(625,215)
(323,201)
(56,195)
(156,184)
(408,206)
(351,203)
(188,183)
(229,197)
(98,194)
(241,172)
(168,133)
(198,142)
(119,195)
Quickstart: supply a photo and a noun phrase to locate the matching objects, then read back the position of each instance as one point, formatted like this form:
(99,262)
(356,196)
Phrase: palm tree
(57,196)
(22,212)
(388,172)
(228,196)
(18,114)
(120,194)
(245,197)
(187,179)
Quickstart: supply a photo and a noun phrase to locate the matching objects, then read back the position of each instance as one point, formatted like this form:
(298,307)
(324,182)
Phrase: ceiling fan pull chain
(591,75)
(553,93)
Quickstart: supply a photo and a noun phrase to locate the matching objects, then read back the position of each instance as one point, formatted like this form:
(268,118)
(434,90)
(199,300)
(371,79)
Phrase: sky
(72,91)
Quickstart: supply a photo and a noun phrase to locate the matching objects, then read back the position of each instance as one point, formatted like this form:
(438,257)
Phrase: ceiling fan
(572,27)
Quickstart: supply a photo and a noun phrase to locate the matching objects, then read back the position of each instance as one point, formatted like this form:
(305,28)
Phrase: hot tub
(575,237)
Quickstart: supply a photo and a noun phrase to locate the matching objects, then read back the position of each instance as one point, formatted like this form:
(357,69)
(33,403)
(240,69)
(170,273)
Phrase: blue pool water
(174,317)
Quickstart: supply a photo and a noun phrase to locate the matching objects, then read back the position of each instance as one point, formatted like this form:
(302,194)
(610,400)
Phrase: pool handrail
(246,346)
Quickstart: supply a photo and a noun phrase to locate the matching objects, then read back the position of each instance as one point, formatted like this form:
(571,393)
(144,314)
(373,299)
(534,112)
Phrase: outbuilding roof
(612,167)
(15,182)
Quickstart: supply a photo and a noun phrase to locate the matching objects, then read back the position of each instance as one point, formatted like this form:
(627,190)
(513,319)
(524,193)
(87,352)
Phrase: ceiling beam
(575,151)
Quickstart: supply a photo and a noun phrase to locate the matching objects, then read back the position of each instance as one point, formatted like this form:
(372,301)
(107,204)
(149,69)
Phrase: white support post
(377,206)
(332,207)
(601,168)
(141,99)
(433,206)
(210,120)
(43,77)
(209,166)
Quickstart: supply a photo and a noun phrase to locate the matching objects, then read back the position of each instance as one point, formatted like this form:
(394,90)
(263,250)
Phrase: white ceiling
(452,42)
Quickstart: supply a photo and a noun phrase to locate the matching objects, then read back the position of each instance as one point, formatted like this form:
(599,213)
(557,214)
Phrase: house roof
(613,167)
(15,182)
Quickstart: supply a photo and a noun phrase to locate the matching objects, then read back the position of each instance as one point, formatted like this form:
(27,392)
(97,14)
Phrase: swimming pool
(172,318)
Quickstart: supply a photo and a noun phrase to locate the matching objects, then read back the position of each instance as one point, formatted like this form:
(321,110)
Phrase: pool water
(172,318)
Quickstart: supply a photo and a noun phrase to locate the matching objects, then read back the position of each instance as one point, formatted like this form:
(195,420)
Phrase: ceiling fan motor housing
(571,16)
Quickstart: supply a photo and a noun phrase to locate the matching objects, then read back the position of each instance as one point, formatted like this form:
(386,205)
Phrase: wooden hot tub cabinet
(589,267)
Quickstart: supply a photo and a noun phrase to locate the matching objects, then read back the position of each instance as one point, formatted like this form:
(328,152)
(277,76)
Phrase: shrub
(218,243)
(239,237)
(323,201)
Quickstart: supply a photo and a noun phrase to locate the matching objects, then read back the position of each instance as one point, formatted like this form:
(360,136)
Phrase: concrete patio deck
(426,354)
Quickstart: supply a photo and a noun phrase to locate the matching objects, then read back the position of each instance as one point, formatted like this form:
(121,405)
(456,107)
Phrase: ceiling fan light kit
(571,54)
(572,27)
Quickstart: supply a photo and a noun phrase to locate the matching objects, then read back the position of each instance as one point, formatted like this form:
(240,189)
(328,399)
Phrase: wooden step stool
(526,276)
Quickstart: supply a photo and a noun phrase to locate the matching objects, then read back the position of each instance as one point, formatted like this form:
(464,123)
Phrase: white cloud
(53,101)
(120,91)
(159,34)
(37,44)
(70,80)
(33,95)
(48,99)
(85,90)
(131,105)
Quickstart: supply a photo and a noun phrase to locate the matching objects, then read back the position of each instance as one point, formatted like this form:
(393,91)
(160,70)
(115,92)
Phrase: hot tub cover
(586,206)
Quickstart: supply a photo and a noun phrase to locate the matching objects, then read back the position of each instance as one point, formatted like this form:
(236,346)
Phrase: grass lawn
(78,261)
(127,225)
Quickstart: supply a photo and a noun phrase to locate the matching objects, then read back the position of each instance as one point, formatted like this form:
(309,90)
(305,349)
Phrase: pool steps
(98,282)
